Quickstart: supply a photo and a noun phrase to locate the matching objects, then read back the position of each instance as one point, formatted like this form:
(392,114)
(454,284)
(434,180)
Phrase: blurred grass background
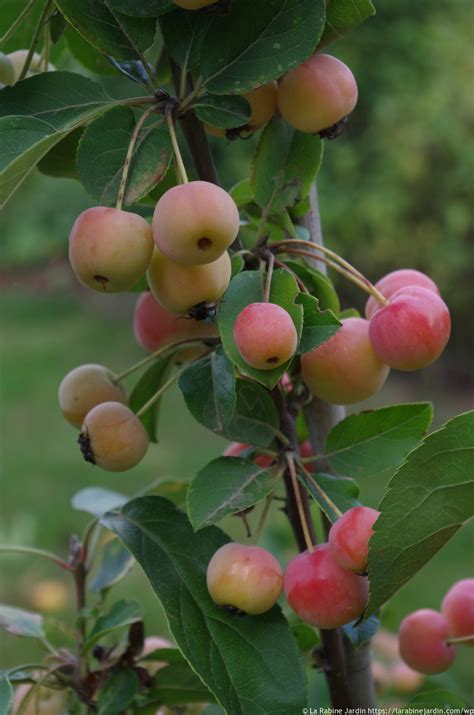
(394,192)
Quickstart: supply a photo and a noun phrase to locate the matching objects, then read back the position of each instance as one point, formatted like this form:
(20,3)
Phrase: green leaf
(208,388)
(318,284)
(225,486)
(430,497)
(222,649)
(434,701)
(285,165)
(318,325)
(118,693)
(21,623)
(375,440)
(349,313)
(103,150)
(122,613)
(306,637)
(360,633)
(176,684)
(6,695)
(242,193)
(342,492)
(146,387)
(96,500)
(60,161)
(87,55)
(238,264)
(255,419)
(244,289)
(144,8)
(164,655)
(183,33)
(239,55)
(110,31)
(223,110)
(342,16)
(114,564)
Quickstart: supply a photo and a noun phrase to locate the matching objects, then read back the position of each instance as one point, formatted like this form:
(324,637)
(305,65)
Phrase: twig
(128,158)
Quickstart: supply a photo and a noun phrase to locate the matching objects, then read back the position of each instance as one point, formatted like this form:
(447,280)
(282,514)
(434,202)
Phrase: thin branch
(26,11)
(128,158)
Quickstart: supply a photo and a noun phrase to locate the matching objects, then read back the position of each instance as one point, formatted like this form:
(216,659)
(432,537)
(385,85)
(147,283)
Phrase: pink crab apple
(317,94)
(263,101)
(110,249)
(244,578)
(85,387)
(404,679)
(306,451)
(235,449)
(113,437)
(321,592)
(458,609)
(179,288)
(195,223)
(155,327)
(423,642)
(151,644)
(345,369)
(349,538)
(395,281)
(193,4)
(412,331)
(265,335)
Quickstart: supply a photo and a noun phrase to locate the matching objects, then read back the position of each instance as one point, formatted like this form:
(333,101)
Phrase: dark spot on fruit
(273,360)
(233,611)
(204,243)
(103,280)
(86,449)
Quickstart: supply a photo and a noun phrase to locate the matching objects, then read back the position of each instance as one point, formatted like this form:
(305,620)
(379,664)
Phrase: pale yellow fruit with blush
(85,387)
(178,288)
(49,595)
(18,59)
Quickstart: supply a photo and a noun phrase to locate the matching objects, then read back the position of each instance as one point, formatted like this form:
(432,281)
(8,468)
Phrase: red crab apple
(265,335)
(349,538)
(110,249)
(423,643)
(317,94)
(113,437)
(85,387)
(395,281)
(244,578)
(412,331)
(195,223)
(458,609)
(345,369)
(321,592)
(179,288)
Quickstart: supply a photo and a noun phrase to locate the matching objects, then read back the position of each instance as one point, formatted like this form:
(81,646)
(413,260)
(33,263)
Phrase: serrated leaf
(149,383)
(239,55)
(360,633)
(118,693)
(121,614)
(144,8)
(110,31)
(318,325)
(183,33)
(96,500)
(103,150)
(223,110)
(220,648)
(285,165)
(177,684)
(429,498)
(375,440)
(344,15)
(255,418)
(244,289)
(23,623)
(317,283)
(225,486)
(114,564)
(342,492)
(208,388)
(6,695)
(60,161)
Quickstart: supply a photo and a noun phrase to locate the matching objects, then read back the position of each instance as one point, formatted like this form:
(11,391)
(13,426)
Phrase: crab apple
(412,331)
(155,327)
(179,288)
(265,335)
(44,701)
(7,70)
(423,643)
(458,609)
(244,578)
(151,644)
(317,94)
(194,4)
(395,281)
(110,249)
(18,59)
(235,449)
(85,387)
(262,102)
(113,437)
(306,451)
(321,592)
(385,645)
(404,679)
(49,595)
(345,369)
(195,223)
(381,676)
(349,537)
